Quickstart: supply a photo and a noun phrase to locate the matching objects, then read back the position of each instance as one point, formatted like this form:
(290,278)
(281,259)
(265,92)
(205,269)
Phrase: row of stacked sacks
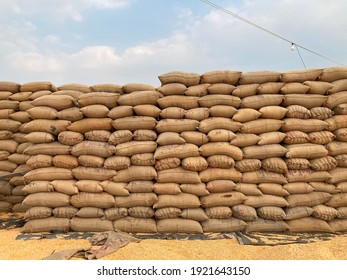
(218,155)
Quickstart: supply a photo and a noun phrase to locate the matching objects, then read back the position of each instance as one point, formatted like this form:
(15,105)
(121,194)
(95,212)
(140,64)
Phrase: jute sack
(54,148)
(272,189)
(298,188)
(341,187)
(334,73)
(135,225)
(9,86)
(136,199)
(8,104)
(258,101)
(341,134)
(244,140)
(298,112)
(145,135)
(222,111)
(246,165)
(218,123)
(167,163)
(64,186)
(67,92)
(220,161)
(221,76)
(194,137)
(321,113)
(342,212)
(323,163)
(258,77)
(36,187)
(198,189)
(117,189)
(244,212)
(95,111)
(273,112)
(139,98)
(264,151)
(248,189)
(182,201)
(223,225)
(245,90)
(262,225)
(167,188)
(198,114)
(262,176)
(219,212)
(91,161)
(274,164)
(178,225)
(9,145)
(325,187)
(337,148)
(36,86)
(265,200)
(178,175)
(93,173)
(173,113)
(145,159)
(222,199)
(90,124)
(217,186)
(51,126)
(298,212)
(338,86)
(76,87)
(168,213)
(211,174)
(321,137)
(120,136)
(274,137)
(318,87)
(220,135)
(5,113)
(135,173)
(336,99)
(98,135)
(4,155)
(308,175)
(46,225)
(308,199)
(307,126)
(90,225)
(72,114)
(5,206)
(184,102)
(197,90)
(341,160)
(21,116)
(336,122)
(147,111)
(135,147)
(196,214)
(114,213)
(39,212)
(39,137)
(306,100)
(194,163)
(308,151)
(338,175)
(186,78)
(91,186)
(221,88)
(140,187)
(101,200)
(270,88)
(93,148)
(65,161)
(90,212)
(300,76)
(48,173)
(58,102)
(100,98)
(176,125)
(221,148)
(338,225)
(337,200)
(176,151)
(209,101)
(261,126)
(172,89)
(340,109)
(17,158)
(246,115)
(120,112)
(271,213)
(5,188)
(170,138)
(107,88)
(296,137)
(308,224)
(324,212)
(131,87)
(134,123)
(294,88)
(47,199)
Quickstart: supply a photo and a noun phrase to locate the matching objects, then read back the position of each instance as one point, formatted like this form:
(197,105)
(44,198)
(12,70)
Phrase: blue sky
(123,41)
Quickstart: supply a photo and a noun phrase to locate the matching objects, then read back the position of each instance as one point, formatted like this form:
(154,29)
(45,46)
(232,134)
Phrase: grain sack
(246,165)
(246,115)
(184,102)
(222,199)
(141,212)
(197,114)
(341,187)
(221,88)
(9,125)
(308,224)
(270,88)
(298,188)
(145,135)
(135,98)
(324,212)
(338,175)
(244,140)
(48,173)
(244,212)
(9,86)
(222,111)
(196,214)
(331,74)
(182,201)
(308,199)
(337,200)
(146,110)
(39,212)
(8,104)
(64,186)
(318,87)
(100,200)
(54,148)
(321,137)
(221,76)
(21,116)
(258,101)
(120,136)
(307,175)
(223,225)
(342,212)
(323,163)
(273,189)
(178,175)
(301,75)
(8,145)
(39,137)
(298,112)
(113,214)
(107,88)
(262,225)
(145,159)
(90,225)
(340,109)
(338,225)
(140,187)
(265,200)
(325,187)
(178,225)
(219,99)
(264,151)
(36,187)
(220,135)
(72,93)
(17,158)
(117,189)
(176,125)
(46,225)
(336,122)
(167,163)
(306,100)
(262,176)
(47,199)
(194,163)
(37,86)
(135,147)
(321,113)
(341,160)
(5,113)
(173,113)
(71,114)
(258,77)
(176,151)
(65,161)
(135,173)
(98,135)
(261,126)
(221,148)
(309,151)
(274,137)
(51,126)
(271,213)
(93,173)
(131,87)
(172,89)
(294,88)
(5,206)
(135,225)
(210,174)
(218,186)
(4,155)
(296,137)
(58,102)
(120,112)
(298,212)
(94,148)
(338,86)
(273,112)
(194,137)
(167,188)
(336,99)
(90,212)
(337,148)
(220,161)
(90,124)
(168,213)
(5,188)
(98,98)
(136,199)
(198,189)
(134,123)
(89,186)
(170,138)
(307,126)
(186,78)
(91,161)
(197,90)
(95,111)
(341,134)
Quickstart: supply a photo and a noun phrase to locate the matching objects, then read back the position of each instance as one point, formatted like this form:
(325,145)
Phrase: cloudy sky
(123,41)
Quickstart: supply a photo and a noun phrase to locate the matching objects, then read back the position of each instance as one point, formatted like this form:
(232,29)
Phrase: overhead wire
(210,3)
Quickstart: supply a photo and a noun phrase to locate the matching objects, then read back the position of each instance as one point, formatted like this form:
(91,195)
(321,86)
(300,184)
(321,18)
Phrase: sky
(126,41)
